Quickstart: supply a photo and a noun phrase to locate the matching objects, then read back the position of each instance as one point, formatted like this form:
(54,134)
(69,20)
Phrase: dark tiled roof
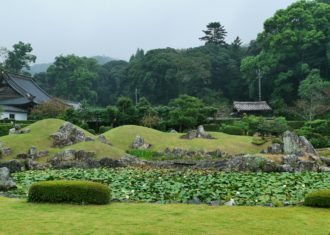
(251,106)
(15,101)
(26,87)
(12,109)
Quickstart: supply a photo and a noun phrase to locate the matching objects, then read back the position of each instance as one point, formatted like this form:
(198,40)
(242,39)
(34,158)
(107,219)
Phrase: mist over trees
(293,48)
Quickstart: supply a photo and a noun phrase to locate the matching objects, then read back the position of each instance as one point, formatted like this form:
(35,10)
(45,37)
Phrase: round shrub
(233,130)
(320,198)
(258,141)
(81,192)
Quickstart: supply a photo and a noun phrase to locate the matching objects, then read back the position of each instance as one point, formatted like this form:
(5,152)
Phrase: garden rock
(250,163)
(67,135)
(129,160)
(324,169)
(43,153)
(198,133)
(22,156)
(103,139)
(292,144)
(13,165)
(273,149)
(293,163)
(110,163)
(33,165)
(231,202)
(72,158)
(87,139)
(6,183)
(325,160)
(5,151)
(32,152)
(138,143)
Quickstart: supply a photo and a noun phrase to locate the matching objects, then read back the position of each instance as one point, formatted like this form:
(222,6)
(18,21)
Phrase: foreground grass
(123,136)
(128,218)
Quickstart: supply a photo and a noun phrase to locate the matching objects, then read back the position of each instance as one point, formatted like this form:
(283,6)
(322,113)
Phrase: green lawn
(123,136)
(19,217)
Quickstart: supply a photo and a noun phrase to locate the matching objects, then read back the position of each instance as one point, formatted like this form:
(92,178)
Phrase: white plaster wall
(18,116)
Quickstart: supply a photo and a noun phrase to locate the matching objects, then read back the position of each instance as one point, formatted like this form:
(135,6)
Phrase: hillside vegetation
(123,136)
(121,139)
(39,137)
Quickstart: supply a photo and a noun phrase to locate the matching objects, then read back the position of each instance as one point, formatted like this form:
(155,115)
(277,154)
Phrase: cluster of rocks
(18,130)
(6,183)
(68,134)
(198,133)
(292,144)
(183,153)
(87,159)
(4,151)
(32,154)
(139,143)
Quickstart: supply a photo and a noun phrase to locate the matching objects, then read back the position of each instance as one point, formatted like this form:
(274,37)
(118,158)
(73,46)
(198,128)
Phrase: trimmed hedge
(211,127)
(81,192)
(319,198)
(233,130)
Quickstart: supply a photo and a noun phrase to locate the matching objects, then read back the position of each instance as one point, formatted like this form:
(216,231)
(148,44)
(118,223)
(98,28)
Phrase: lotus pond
(172,186)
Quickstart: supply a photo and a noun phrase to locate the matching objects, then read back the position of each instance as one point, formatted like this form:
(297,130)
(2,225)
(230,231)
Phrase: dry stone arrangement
(68,134)
(198,133)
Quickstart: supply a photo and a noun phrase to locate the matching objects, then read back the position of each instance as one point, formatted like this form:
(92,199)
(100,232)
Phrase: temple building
(253,108)
(19,93)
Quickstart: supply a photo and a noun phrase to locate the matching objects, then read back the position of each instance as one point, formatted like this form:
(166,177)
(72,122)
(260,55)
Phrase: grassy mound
(39,137)
(82,192)
(123,136)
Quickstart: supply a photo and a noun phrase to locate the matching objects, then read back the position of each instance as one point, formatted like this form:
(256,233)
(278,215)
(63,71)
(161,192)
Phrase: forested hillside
(291,56)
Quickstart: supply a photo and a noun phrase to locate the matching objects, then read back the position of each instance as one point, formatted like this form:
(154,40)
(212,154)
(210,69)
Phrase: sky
(116,28)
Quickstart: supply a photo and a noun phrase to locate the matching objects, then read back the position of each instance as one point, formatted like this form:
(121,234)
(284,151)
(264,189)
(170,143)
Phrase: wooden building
(253,108)
(18,94)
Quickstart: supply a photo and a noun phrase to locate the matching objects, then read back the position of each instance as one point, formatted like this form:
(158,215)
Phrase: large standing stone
(6,182)
(67,135)
(291,143)
(32,152)
(306,146)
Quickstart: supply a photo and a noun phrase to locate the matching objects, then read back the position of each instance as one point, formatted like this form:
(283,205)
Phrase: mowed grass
(21,217)
(40,138)
(123,136)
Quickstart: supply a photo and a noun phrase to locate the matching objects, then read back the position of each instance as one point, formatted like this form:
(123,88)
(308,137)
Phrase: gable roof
(26,87)
(251,106)
(12,109)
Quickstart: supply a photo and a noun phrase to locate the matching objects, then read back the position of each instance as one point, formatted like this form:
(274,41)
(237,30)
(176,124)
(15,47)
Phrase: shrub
(320,198)
(82,192)
(211,127)
(233,130)
(277,141)
(258,141)
(92,131)
(103,129)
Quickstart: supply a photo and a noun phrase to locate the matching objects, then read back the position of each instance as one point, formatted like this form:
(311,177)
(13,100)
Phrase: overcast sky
(116,28)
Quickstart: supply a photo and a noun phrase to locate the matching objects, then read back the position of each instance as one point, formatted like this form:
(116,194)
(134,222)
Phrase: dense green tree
(19,58)
(72,77)
(126,111)
(294,41)
(215,33)
(315,96)
(186,112)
